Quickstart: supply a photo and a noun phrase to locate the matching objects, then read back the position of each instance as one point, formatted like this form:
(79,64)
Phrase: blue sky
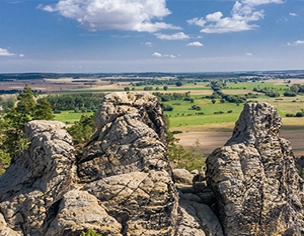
(151,35)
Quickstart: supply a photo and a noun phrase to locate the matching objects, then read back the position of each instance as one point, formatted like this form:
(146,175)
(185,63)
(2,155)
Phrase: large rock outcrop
(121,184)
(31,188)
(254,178)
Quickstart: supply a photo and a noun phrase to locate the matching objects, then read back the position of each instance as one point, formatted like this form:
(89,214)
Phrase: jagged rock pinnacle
(257,187)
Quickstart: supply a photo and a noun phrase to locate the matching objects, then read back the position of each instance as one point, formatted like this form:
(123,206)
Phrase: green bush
(90,232)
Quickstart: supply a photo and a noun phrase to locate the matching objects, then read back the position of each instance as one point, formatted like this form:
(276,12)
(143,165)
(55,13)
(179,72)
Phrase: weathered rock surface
(183,176)
(257,187)
(36,180)
(121,184)
(126,167)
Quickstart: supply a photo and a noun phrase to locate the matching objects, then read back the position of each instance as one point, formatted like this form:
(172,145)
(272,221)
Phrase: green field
(69,117)
(184,118)
(251,85)
(181,116)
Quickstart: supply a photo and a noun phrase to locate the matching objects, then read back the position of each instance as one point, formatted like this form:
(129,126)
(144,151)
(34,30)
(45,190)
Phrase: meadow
(214,121)
(217,116)
(69,117)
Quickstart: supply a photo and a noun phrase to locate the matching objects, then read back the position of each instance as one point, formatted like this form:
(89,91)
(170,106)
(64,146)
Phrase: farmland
(198,116)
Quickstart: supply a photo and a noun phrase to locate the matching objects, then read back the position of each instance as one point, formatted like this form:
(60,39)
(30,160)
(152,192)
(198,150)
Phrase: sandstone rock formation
(121,184)
(31,188)
(257,187)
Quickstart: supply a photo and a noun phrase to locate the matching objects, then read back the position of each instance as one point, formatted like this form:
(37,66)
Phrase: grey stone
(182,176)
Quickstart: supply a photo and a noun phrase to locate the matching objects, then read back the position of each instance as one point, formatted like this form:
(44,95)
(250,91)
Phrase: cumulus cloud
(157,54)
(5,53)
(133,15)
(292,14)
(242,14)
(195,44)
(214,17)
(296,43)
(176,36)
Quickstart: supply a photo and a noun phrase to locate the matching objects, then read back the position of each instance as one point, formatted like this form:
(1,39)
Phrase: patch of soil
(212,140)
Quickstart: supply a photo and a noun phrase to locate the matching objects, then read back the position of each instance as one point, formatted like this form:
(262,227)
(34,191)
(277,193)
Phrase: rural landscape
(201,108)
(131,140)
(151,118)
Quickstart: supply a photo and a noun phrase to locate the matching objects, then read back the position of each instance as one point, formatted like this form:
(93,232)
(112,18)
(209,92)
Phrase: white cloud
(197,21)
(261,2)
(157,54)
(242,14)
(292,14)
(47,8)
(195,44)
(296,43)
(299,42)
(176,36)
(214,17)
(21,55)
(5,53)
(171,56)
(149,44)
(133,15)
(249,54)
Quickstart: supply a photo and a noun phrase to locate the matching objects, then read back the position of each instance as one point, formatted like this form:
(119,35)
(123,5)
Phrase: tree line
(84,102)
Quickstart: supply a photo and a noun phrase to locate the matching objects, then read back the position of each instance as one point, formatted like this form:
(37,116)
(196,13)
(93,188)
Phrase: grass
(69,117)
(182,118)
(85,90)
(251,85)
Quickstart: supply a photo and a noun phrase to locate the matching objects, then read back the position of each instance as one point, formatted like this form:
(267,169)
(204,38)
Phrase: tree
(165,87)
(167,107)
(295,88)
(127,89)
(179,83)
(12,125)
(9,103)
(82,130)
(213,101)
(14,122)
(43,111)
(26,100)
(4,155)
